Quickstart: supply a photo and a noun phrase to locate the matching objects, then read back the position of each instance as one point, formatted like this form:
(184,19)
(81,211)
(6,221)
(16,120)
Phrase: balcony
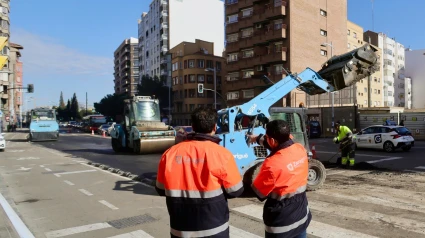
(164,37)
(274,34)
(269,58)
(164,25)
(4,95)
(232,46)
(232,27)
(4,4)
(164,49)
(232,66)
(164,13)
(231,6)
(275,10)
(244,3)
(164,72)
(245,22)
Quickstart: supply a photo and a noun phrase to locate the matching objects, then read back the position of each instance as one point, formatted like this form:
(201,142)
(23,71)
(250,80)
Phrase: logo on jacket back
(293,165)
(240,156)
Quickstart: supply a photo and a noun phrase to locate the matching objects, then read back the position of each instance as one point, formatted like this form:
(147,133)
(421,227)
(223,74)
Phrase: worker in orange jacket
(197,176)
(282,180)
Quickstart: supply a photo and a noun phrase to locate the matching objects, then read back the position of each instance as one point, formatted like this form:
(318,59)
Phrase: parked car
(181,132)
(314,129)
(2,142)
(103,128)
(388,138)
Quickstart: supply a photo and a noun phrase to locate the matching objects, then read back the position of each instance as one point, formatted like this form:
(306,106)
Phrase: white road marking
(47,169)
(85,192)
(108,205)
(42,166)
(239,233)
(381,160)
(77,172)
(57,175)
(354,213)
(387,202)
(2,166)
(28,158)
(76,230)
(68,182)
(24,169)
(420,167)
(328,152)
(134,234)
(315,228)
(17,223)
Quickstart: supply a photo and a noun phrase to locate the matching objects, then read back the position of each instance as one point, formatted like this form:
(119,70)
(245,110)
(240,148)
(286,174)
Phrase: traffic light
(3,58)
(200,88)
(30,88)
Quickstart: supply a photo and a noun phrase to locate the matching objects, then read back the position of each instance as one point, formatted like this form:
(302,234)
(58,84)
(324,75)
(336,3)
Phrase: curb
(129,175)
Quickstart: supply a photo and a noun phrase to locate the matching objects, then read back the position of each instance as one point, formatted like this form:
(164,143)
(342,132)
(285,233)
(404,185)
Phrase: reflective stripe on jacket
(282,180)
(343,132)
(196,176)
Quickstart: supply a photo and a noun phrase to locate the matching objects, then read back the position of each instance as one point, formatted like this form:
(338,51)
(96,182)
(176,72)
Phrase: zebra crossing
(366,205)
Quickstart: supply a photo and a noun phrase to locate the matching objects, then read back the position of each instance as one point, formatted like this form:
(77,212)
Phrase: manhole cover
(131,221)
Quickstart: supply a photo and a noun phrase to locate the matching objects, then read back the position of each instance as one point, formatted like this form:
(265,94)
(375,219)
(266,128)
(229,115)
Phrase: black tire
(388,147)
(316,175)
(136,147)
(252,173)
(406,148)
(116,145)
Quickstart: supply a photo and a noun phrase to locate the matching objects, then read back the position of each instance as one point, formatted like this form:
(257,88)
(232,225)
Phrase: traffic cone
(103,134)
(313,151)
(92,132)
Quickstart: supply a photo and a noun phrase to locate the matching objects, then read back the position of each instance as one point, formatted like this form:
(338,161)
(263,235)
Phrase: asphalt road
(57,194)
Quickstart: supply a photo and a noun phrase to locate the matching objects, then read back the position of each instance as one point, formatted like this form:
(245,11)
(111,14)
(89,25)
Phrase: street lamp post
(332,93)
(215,84)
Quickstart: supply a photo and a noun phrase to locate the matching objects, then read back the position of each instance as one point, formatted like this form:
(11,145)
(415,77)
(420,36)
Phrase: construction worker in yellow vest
(345,140)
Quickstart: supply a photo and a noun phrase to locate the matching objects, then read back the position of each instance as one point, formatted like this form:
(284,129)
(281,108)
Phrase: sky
(69,44)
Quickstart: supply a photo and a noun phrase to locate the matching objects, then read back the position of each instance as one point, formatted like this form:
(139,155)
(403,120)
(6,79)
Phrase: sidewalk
(21,134)
(6,227)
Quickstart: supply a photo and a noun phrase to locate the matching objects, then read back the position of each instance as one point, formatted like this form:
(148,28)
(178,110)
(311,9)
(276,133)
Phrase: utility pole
(86,103)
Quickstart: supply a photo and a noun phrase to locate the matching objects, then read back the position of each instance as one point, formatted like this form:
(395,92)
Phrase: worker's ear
(215,127)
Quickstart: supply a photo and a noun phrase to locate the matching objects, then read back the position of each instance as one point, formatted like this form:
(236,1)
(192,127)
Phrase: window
(232,57)
(181,80)
(248,93)
(323,52)
(348,45)
(201,63)
(201,78)
(323,32)
(278,3)
(278,47)
(390,93)
(233,76)
(232,95)
(348,32)
(210,79)
(247,73)
(365,90)
(191,63)
(365,102)
(354,35)
(232,18)
(210,64)
(247,12)
(375,91)
(278,24)
(247,32)
(191,107)
(248,53)
(379,91)
(323,12)
(278,69)
(192,78)
(232,37)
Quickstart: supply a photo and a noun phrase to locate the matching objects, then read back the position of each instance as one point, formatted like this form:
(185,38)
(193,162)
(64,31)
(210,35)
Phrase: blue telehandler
(337,73)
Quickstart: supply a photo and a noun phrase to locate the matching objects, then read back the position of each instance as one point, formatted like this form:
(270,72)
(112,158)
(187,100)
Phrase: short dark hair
(278,130)
(204,119)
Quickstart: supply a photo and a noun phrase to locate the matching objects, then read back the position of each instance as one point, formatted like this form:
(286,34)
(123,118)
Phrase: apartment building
(126,67)
(266,37)
(170,22)
(193,64)
(415,73)
(4,77)
(393,68)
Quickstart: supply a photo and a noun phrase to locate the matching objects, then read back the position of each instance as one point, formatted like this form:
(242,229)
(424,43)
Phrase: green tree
(61,102)
(155,86)
(75,110)
(111,105)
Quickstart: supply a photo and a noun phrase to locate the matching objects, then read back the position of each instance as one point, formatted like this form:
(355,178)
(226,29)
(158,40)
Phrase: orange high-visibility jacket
(282,180)
(197,176)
